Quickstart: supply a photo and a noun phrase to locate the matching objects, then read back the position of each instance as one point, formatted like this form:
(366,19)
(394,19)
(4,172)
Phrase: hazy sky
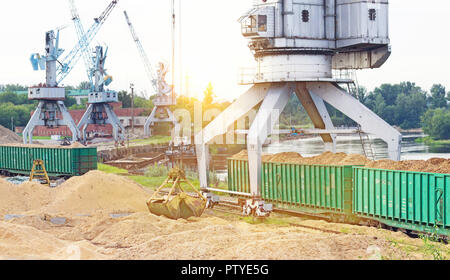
(212,46)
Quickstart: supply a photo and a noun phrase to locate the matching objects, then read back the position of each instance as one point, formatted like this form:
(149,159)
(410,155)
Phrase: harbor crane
(161,113)
(296,47)
(50,96)
(100,111)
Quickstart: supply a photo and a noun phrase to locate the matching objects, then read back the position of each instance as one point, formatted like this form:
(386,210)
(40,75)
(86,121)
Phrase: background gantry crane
(161,112)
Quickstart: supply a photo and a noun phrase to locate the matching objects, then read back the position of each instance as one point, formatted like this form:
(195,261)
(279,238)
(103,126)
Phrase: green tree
(436,123)
(84,85)
(9,97)
(70,101)
(409,110)
(125,98)
(438,97)
(13,87)
(14,98)
(208,95)
(16,114)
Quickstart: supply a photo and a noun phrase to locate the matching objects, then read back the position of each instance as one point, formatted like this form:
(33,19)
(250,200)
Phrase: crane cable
(173,47)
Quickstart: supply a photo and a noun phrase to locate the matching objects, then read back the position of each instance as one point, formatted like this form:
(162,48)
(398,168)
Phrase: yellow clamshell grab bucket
(177,204)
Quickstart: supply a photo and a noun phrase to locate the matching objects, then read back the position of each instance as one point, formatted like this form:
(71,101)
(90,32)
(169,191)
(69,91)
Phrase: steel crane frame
(71,59)
(162,102)
(144,57)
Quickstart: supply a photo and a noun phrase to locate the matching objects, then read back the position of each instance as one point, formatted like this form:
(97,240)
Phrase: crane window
(262,23)
(249,26)
(305,16)
(372,14)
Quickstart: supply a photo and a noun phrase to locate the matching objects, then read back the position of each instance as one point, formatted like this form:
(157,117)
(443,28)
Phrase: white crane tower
(296,45)
(161,112)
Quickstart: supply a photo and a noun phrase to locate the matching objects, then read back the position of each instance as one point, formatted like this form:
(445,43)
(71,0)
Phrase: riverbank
(430,141)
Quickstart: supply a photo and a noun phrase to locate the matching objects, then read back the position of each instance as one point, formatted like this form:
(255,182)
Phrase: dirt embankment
(7,136)
(434,165)
(76,221)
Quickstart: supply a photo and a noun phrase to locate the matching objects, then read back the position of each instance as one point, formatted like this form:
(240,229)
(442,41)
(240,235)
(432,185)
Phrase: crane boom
(145,60)
(82,39)
(71,59)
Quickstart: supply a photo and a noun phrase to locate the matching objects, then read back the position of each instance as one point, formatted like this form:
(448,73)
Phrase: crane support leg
(350,106)
(68,121)
(219,126)
(148,122)
(118,129)
(318,113)
(34,121)
(267,117)
(84,122)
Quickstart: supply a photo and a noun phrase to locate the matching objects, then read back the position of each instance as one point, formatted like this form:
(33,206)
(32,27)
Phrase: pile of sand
(8,136)
(295,158)
(25,242)
(95,191)
(434,165)
(145,236)
(98,191)
(16,199)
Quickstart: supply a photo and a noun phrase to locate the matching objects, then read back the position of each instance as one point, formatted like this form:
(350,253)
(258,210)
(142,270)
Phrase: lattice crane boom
(82,39)
(71,59)
(144,57)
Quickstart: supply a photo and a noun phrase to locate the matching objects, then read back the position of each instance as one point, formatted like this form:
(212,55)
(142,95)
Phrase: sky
(212,48)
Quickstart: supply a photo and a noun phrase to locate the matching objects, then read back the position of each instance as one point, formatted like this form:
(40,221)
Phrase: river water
(352,145)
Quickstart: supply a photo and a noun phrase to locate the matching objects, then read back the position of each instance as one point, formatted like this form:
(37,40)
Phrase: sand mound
(283,157)
(434,165)
(98,191)
(8,136)
(77,145)
(95,191)
(144,236)
(25,242)
(295,158)
(16,199)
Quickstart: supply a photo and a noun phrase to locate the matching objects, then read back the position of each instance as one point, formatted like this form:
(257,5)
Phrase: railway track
(237,211)
(230,206)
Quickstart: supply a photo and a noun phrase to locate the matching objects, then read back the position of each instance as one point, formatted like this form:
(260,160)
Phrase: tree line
(404,105)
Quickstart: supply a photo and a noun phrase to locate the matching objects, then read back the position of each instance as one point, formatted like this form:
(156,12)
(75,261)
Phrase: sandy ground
(77,221)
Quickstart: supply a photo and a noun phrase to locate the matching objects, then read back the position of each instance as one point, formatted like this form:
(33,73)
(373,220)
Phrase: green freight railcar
(414,201)
(59,161)
(308,188)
